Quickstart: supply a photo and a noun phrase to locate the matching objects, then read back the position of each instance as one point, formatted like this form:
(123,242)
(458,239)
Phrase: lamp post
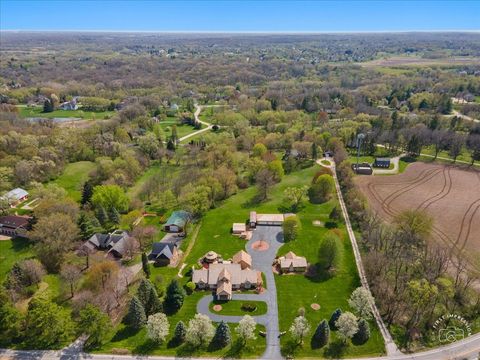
(360,138)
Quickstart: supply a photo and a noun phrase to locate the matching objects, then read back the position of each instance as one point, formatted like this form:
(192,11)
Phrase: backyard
(73,178)
(37,112)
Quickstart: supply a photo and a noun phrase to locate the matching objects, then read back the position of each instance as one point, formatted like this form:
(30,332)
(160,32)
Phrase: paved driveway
(261,260)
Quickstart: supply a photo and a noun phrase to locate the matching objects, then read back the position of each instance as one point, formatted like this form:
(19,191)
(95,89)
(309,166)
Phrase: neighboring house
(12,225)
(115,243)
(224,278)
(265,219)
(15,196)
(244,259)
(164,254)
(292,263)
(382,162)
(177,221)
(69,105)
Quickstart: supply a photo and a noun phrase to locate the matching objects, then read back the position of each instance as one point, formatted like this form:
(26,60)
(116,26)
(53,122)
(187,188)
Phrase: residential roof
(162,250)
(382,159)
(15,194)
(242,256)
(224,288)
(270,217)
(290,259)
(211,255)
(115,241)
(239,227)
(178,218)
(238,276)
(13,221)
(253,216)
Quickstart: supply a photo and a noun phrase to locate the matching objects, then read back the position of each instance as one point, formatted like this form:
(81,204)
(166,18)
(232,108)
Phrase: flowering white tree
(246,328)
(360,300)
(347,325)
(157,327)
(200,330)
(300,328)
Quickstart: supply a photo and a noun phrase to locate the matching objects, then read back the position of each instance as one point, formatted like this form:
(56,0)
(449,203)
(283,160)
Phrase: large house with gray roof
(114,243)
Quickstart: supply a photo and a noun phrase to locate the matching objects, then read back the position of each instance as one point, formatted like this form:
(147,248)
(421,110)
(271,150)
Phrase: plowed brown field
(451,195)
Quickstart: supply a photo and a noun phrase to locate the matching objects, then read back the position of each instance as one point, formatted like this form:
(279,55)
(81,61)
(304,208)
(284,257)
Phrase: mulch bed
(260,245)
(315,306)
(217,308)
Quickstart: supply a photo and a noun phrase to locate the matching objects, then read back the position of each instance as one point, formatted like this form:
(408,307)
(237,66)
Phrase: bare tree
(70,274)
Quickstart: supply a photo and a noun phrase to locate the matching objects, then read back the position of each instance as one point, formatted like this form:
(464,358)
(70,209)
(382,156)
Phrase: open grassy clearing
(182,129)
(430,150)
(37,112)
(12,251)
(236,307)
(73,178)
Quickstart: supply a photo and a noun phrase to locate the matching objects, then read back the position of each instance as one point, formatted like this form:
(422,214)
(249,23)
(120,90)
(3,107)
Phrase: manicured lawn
(234,307)
(12,251)
(182,129)
(38,113)
(73,178)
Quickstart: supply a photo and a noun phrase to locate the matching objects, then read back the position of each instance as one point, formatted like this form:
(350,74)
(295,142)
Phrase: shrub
(331,225)
(249,306)
(189,287)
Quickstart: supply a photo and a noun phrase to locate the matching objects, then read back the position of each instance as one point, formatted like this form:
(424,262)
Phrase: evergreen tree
(171,145)
(322,334)
(363,333)
(145,265)
(114,215)
(154,305)
(47,106)
(222,336)
(174,297)
(335,214)
(180,332)
(333,319)
(87,192)
(314,151)
(136,314)
(102,215)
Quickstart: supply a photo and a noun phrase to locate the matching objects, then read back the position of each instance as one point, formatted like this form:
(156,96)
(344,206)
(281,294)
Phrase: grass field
(37,112)
(182,129)
(234,307)
(73,178)
(12,251)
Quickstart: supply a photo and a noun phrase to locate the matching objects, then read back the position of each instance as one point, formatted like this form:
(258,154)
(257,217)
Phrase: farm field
(73,177)
(451,195)
(37,112)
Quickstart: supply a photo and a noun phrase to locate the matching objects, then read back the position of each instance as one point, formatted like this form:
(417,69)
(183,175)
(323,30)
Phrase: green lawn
(465,156)
(168,171)
(293,291)
(73,178)
(182,129)
(12,251)
(38,112)
(234,307)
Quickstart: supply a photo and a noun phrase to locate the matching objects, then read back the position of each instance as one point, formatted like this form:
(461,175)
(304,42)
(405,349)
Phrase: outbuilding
(382,163)
(363,169)
(177,221)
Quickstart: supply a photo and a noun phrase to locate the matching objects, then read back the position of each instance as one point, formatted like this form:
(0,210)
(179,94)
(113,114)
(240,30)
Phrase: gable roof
(15,194)
(162,250)
(178,218)
(114,241)
(242,256)
(13,221)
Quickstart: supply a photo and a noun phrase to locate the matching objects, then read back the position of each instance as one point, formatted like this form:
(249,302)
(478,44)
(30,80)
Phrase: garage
(266,219)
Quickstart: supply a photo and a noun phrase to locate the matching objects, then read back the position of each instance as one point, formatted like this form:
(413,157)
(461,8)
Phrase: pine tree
(180,332)
(175,296)
(222,336)
(47,106)
(87,192)
(145,265)
(143,292)
(322,334)
(314,151)
(333,319)
(114,215)
(136,314)
(102,215)
(154,305)
(363,333)
(171,145)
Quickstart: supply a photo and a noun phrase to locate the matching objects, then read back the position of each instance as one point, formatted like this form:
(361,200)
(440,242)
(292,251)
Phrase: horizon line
(274,32)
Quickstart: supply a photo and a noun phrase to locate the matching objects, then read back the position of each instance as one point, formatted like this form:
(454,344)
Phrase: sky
(240,16)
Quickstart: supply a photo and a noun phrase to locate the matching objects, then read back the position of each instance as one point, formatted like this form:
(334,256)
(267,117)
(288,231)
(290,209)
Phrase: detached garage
(265,219)
(176,222)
